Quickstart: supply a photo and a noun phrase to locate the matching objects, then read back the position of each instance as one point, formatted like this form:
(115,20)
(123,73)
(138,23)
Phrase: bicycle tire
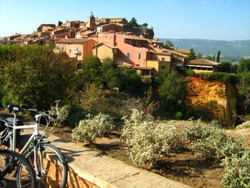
(53,174)
(16,171)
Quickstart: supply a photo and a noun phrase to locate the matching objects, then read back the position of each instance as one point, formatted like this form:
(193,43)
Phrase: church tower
(91,22)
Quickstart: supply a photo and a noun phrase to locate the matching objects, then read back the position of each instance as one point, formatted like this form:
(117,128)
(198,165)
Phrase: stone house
(105,50)
(47,27)
(202,65)
(132,51)
(75,48)
(109,27)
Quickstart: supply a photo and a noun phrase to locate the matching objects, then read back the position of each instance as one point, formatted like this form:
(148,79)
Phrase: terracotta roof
(202,62)
(161,52)
(142,68)
(177,53)
(106,44)
(133,37)
(71,40)
(184,51)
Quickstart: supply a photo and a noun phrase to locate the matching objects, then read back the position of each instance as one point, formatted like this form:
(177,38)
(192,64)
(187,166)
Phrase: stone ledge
(105,172)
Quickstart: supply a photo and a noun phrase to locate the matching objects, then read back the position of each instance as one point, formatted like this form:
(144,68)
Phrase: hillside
(231,51)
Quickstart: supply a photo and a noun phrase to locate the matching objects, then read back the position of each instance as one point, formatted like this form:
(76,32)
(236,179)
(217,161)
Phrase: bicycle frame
(16,127)
(12,137)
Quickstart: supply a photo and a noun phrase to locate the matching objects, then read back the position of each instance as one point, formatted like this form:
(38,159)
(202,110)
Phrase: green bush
(92,127)
(221,76)
(36,76)
(76,114)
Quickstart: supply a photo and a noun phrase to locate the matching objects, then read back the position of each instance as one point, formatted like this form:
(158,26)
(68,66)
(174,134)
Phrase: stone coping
(107,172)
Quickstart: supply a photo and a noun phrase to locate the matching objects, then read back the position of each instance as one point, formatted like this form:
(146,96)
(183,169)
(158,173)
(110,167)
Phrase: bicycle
(41,154)
(15,170)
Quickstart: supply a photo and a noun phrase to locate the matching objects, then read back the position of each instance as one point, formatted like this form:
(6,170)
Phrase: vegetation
(146,139)
(169,45)
(192,54)
(140,29)
(35,75)
(213,143)
(60,114)
(92,127)
(174,98)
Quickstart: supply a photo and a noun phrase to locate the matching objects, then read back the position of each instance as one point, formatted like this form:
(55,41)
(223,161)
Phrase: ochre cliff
(214,97)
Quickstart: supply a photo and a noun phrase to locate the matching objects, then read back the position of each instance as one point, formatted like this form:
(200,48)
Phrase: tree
(209,57)
(228,67)
(244,91)
(173,89)
(192,54)
(149,33)
(111,74)
(133,22)
(93,99)
(218,57)
(244,65)
(199,55)
(244,84)
(59,23)
(144,26)
(38,77)
(213,58)
(91,70)
(169,45)
(130,80)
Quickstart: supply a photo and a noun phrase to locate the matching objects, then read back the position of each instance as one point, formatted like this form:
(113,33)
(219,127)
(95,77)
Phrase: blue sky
(176,19)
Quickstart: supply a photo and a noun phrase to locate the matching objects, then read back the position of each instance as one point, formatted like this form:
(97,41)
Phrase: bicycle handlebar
(17,108)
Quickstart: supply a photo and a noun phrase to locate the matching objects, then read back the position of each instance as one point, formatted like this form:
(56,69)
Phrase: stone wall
(214,97)
(73,181)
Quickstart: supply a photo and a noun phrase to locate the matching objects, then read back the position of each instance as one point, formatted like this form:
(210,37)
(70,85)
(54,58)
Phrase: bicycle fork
(38,159)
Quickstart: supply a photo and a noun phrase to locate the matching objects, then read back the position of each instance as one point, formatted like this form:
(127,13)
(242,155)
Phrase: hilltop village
(115,38)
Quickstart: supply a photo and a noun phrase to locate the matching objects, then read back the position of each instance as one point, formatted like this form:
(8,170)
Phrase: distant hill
(231,51)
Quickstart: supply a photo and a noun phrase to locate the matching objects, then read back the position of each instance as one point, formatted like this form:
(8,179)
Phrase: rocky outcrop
(214,97)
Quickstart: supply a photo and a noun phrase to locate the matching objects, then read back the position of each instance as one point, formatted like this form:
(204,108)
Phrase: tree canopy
(192,54)
(169,45)
(36,76)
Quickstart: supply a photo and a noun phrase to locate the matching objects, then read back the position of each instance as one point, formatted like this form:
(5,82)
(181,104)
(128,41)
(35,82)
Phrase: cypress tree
(218,56)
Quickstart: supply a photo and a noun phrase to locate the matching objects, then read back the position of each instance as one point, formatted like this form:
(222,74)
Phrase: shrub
(237,170)
(92,127)
(199,130)
(218,146)
(60,112)
(212,141)
(76,114)
(147,141)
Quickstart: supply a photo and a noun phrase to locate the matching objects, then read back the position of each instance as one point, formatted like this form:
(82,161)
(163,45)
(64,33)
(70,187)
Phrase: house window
(139,56)
(128,55)
(163,59)
(79,66)
(69,51)
(163,67)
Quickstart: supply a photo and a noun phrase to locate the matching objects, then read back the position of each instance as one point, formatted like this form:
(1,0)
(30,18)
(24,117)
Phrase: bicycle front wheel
(15,170)
(50,165)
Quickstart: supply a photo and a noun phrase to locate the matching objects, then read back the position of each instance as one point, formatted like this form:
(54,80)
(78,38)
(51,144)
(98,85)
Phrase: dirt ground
(186,166)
